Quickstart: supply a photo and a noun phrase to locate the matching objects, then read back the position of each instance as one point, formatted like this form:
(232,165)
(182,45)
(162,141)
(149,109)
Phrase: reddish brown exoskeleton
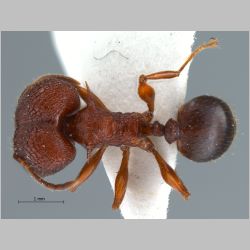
(49,120)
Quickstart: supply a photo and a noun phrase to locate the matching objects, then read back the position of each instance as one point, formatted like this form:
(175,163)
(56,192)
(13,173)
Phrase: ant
(49,120)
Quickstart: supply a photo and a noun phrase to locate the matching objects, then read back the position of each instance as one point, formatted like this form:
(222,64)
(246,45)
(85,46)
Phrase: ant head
(206,128)
(39,140)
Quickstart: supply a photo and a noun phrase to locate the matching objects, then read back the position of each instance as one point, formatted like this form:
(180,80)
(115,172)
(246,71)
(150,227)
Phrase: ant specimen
(49,120)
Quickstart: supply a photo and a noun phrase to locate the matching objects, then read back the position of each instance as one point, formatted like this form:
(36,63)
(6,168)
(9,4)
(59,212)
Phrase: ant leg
(170,176)
(85,172)
(121,179)
(87,169)
(167,173)
(147,93)
(212,43)
(41,180)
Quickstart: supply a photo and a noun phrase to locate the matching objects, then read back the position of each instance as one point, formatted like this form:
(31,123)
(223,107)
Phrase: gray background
(113,14)
(219,189)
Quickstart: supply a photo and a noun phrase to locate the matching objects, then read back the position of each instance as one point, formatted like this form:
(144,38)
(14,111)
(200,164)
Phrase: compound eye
(207,128)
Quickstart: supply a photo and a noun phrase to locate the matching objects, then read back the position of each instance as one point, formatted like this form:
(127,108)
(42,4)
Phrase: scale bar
(40,201)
